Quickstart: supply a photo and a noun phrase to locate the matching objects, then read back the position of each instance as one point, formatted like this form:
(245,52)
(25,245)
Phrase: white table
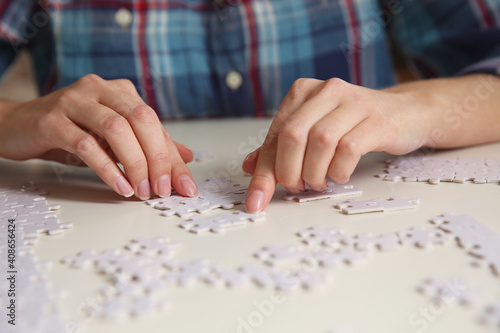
(376,297)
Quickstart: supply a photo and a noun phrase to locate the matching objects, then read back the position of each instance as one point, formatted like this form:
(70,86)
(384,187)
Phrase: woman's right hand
(98,123)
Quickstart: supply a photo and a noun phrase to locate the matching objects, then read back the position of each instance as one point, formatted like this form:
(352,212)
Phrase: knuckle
(137,165)
(105,167)
(144,114)
(65,99)
(322,136)
(125,85)
(334,84)
(161,158)
(349,147)
(297,90)
(292,133)
(84,145)
(90,79)
(179,166)
(114,124)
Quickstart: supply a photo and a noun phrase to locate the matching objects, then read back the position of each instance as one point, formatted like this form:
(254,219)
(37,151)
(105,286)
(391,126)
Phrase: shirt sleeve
(488,66)
(17,29)
(454,37)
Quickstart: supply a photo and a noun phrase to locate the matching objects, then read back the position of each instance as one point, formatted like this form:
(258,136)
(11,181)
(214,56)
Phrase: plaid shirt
(198,58)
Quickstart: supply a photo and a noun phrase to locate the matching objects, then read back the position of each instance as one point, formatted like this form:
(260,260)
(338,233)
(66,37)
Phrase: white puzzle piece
(479,240)
(318,235)
(377,205)
(274,255)
(332,190)
(213,193)
(423,238)
(491,315)
(448,291)
(220,222)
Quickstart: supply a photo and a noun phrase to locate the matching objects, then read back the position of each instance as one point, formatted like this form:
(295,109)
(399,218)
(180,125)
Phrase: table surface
(375,297)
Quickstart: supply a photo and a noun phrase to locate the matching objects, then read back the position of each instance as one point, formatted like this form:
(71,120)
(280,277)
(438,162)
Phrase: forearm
(457,112)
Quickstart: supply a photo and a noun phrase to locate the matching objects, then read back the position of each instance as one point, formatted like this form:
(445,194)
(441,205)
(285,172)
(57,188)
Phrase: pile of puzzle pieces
(442,169)
(27,209)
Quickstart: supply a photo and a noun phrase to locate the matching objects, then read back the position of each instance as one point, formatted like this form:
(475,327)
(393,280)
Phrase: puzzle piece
(153,246)
(188,274)
(377,205)
(317,235)
(81,260)
(261,276)
(202,156)
(479,240)
(285,282)
(213,193)
(450,291)
(230,278)
(347,255)
(181,206)
(275,255)
(423,238)
(313,280)
(491,315)
(220,222)
(331,191)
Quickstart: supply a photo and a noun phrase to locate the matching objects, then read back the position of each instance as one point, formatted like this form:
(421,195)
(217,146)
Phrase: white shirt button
(234,80)
(123,17)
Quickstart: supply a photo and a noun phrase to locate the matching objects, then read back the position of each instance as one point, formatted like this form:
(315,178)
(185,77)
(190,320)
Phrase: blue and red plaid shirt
(181,54)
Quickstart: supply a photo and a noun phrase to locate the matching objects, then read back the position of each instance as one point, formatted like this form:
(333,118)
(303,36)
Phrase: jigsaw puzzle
(442,169)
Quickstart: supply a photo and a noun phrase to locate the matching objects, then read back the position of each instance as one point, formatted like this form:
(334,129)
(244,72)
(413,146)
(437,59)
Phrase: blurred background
(18,83)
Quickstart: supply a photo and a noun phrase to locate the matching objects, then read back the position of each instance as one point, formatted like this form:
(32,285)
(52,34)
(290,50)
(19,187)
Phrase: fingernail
(124,187)
(255,201)
(144,190)
(164,186)
(188,185)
